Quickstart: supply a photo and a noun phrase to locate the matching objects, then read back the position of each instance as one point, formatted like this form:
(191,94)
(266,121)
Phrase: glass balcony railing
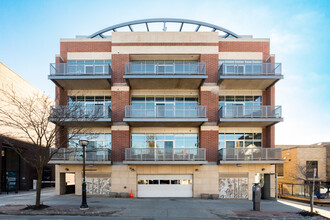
(66,69)
(250,154)
(165,68)
(163,154)
(165,111)
(242,111)
(75,154)
(246,69)
(93,111)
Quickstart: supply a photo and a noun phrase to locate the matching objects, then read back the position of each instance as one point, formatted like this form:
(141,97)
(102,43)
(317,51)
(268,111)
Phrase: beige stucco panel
(238,130)
(240,56)
(89,55)
(165,50)
(163,130)
(163,37)
(163,92)
(224,92)
(89,92)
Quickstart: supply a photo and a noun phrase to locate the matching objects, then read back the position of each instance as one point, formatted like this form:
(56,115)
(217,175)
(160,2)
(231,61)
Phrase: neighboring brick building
(182,113)
(299,163)
(15,173)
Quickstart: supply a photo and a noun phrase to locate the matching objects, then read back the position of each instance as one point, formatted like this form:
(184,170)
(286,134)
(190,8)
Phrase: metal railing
(250,69)
(75,154)
(253,111)
(80,112)
(79,69)
(250,154)
(163,154)
(165,111)
(165,68)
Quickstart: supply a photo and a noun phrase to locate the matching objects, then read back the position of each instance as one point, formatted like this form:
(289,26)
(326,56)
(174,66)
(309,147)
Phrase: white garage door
(164,185)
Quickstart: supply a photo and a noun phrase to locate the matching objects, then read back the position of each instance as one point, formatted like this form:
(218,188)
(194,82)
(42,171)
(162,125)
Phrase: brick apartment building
(180,113)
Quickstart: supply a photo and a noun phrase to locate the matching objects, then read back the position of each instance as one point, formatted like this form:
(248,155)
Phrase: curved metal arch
(164,20)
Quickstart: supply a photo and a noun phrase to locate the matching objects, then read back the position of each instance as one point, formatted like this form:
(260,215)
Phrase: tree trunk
(38,192)
(311,194)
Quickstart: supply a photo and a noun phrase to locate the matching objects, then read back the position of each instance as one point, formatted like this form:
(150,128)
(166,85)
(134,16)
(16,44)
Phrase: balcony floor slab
(165,81)
(165,162)
(234,162)
(248,122)
(82,82)
(165,122)
(79,162)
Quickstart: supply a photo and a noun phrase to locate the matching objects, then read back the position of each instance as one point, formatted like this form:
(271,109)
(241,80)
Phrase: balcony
(165,115)
(165,75)
(75,116)
(81,76)
(249,116)
(165,156)
(250,156)
(73,155)
(249,75)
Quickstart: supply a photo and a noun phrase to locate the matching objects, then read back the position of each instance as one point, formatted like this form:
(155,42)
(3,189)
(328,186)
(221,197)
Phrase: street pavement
(65,206)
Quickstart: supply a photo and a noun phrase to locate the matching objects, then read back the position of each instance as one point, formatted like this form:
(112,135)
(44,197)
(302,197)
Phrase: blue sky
(299,33)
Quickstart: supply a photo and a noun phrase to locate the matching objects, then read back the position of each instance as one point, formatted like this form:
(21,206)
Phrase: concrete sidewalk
(146,208)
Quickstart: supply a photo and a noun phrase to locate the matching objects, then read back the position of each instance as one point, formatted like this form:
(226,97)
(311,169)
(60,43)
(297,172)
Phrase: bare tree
(306,174)
(26,118)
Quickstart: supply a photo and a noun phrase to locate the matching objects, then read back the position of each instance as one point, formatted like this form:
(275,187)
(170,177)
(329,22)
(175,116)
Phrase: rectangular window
(279,169)
(99,140)
(158,140)
(239,140)
(310,166)
(244,101)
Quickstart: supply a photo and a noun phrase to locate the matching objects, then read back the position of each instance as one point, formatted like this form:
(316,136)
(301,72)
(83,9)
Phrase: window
(310,166)
(88,66)
(162,140)
(243,100)
(102,140)
(279,169)
(238,140)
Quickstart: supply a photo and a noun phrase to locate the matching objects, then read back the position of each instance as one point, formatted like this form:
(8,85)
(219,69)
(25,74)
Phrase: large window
(90,105)
(89,66)
(100,140)
(164,140)
(241,66)
(279,169)
(310,166)
(175,100)
(240,100)
(236,140)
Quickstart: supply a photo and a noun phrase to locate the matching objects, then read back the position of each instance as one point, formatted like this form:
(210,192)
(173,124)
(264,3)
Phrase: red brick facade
(118,67)
(84,46)
(212,66)
(245,46)
(120,141)
(209,141)
(119,99)
(211,100)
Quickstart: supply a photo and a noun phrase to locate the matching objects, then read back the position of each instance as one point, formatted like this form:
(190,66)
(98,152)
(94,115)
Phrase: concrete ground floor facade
(228,181)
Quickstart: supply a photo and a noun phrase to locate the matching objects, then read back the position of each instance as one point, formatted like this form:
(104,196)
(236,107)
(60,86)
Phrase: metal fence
(250,69)
(243,111)
(75,154)
(163,154)
(162,68)
(79,69)
(165,111)
(250,154)
(80,112)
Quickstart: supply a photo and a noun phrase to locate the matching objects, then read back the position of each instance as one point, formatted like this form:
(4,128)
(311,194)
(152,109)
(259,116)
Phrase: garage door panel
(173,186)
